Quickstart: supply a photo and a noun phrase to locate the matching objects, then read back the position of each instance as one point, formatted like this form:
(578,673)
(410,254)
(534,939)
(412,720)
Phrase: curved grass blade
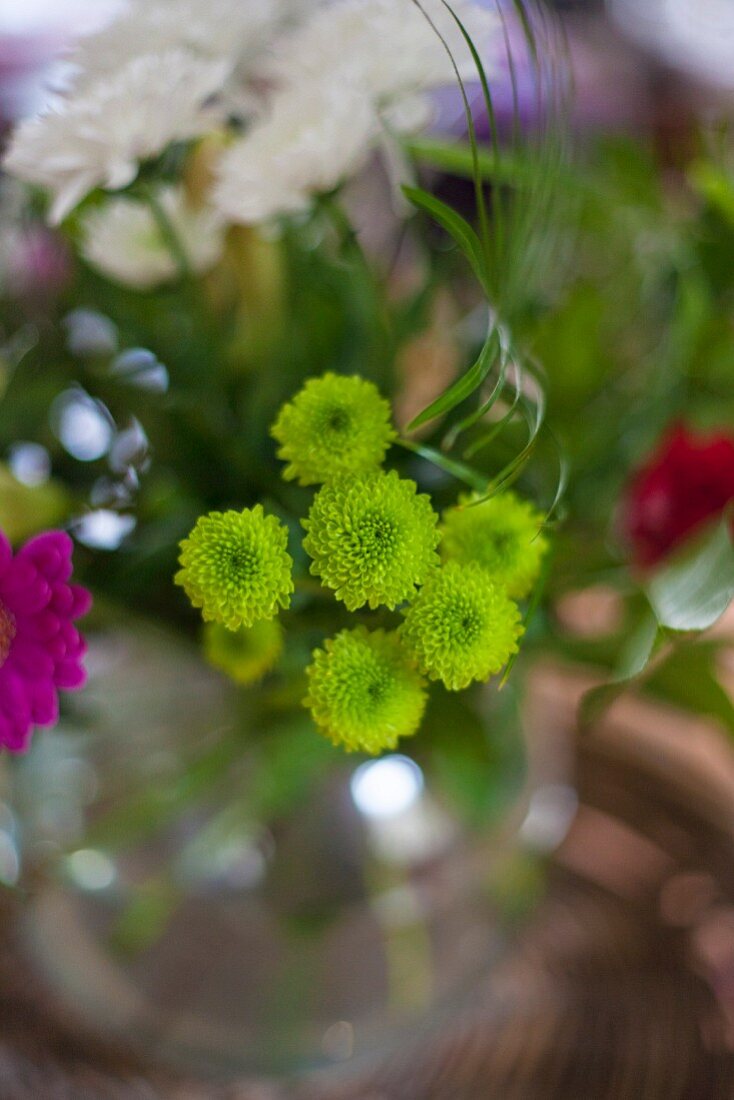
(498,203)
(504,264)
(512,470)
(484,409)
(459,161)
(563,475)
(488,403)
(490,434)
(471,129)
(463,387)
(457,227)
(495,246)
(471,477)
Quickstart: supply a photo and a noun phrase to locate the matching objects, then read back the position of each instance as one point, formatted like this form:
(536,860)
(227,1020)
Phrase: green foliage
(509,249)
(463,234)
(690,679)
(613,273)
(632,666)
(26,510)
(695,588)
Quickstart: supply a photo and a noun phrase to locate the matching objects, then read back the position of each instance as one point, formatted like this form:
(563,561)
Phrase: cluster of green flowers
(376,542)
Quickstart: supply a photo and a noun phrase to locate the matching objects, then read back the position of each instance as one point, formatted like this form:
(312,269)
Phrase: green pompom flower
(236,568)
(335,425)
(372,539)
(501,535)
(461,626)
(363,691)
(245,655)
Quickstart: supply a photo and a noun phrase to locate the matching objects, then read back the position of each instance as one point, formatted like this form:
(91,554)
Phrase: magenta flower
(40,649)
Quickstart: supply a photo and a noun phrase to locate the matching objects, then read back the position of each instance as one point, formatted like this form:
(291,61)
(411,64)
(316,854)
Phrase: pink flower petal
(45,705)
(43,626)
(46,649)
(62,600)
(82,601)
(70,675)
(6,553)
(32,661)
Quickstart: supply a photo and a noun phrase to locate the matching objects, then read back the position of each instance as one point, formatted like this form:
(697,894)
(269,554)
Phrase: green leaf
(697,587)
(487,405)
(457,158)
(489,435)
(464,386)
(457,227)
(715,185)
(473,478)
(634,662)
(481,201)
(688,679)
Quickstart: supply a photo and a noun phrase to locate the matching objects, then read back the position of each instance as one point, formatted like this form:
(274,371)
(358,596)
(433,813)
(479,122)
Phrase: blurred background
(617,979)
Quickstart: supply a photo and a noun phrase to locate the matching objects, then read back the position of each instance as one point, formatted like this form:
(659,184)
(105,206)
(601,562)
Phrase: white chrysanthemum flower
(351,73)
(98,137)
(322,83)
(314,137)
(390,47)
(236,30)
(123,240)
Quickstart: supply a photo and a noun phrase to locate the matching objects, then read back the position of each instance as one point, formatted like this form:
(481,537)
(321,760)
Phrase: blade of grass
(463,387)
(456,226)
(471,129)
(471,477)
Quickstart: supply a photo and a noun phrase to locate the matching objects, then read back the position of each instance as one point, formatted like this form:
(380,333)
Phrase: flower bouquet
(277,368)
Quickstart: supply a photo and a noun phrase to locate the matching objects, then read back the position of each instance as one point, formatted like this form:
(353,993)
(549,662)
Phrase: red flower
(688,480)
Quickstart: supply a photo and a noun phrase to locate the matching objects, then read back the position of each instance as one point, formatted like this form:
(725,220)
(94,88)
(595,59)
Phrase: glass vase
(230,904)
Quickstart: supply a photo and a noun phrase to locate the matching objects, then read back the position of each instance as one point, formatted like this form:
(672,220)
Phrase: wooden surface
(599,1000)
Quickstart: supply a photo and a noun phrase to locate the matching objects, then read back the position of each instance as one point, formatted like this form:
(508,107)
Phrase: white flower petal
(391,47)
(313,138)
(99,136)
(317,81)
(122,240)
(234,30)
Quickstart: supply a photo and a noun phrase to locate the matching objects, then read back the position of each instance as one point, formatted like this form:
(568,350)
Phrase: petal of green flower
(245,655)
(364,693)
(235,567)
(372,539)
(502,535)
(461,626)
(335,425)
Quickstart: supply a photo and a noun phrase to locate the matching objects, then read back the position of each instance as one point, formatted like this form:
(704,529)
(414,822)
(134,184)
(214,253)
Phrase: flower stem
(167,231)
